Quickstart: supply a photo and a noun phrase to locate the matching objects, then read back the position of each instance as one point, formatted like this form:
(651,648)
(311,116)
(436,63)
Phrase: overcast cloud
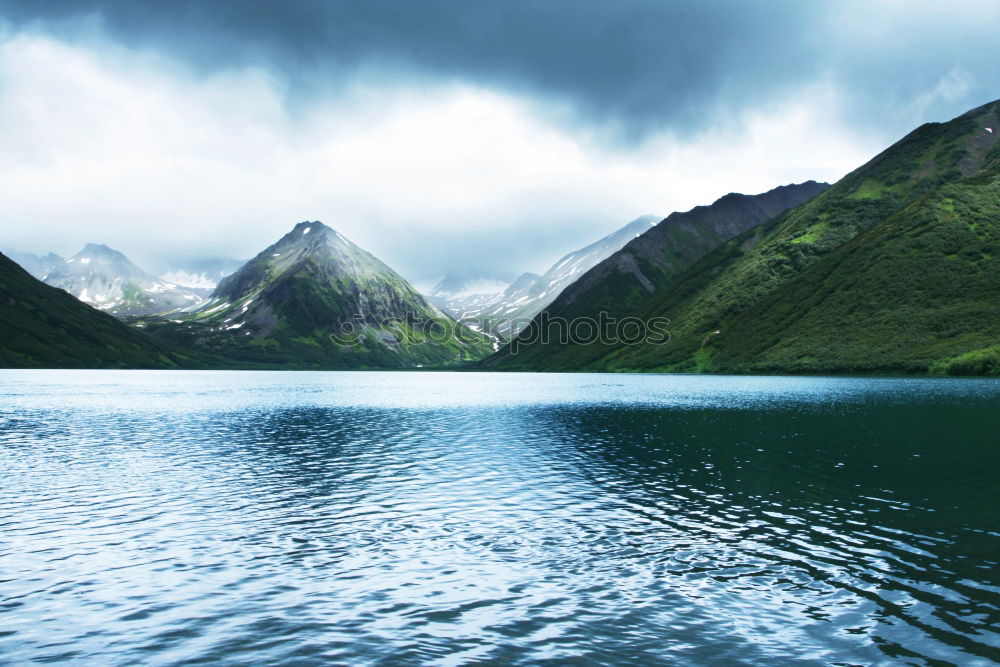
(449,136)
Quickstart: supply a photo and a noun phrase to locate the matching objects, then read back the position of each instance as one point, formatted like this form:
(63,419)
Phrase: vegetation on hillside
(892,269)
(44,327)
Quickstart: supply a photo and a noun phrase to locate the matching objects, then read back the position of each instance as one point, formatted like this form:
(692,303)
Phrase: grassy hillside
(918,292)
(44,327)
(626,280)
(634,275)
(891,270)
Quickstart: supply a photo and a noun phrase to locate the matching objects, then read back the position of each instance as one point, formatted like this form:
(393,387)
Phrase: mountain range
(891,270)
(37,265)
(504,312)
(628,278)
(110,281)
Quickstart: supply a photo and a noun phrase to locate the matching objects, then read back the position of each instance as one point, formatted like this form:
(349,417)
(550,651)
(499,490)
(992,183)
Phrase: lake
(163,517)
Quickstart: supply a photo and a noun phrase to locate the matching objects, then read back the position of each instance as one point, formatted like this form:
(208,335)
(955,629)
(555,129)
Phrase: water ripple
(379,518)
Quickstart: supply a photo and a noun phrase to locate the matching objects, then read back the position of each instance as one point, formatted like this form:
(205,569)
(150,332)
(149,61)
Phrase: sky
(480,138)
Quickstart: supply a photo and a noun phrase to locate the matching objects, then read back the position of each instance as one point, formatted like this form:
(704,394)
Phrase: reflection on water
(435,518)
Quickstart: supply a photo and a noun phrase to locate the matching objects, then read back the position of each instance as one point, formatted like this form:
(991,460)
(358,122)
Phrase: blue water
(168,518)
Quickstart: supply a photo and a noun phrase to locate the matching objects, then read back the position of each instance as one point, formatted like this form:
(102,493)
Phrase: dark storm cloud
(628,65)
(634,63)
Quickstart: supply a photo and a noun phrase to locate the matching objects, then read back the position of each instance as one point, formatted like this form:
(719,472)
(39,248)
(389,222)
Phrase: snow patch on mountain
(108,280)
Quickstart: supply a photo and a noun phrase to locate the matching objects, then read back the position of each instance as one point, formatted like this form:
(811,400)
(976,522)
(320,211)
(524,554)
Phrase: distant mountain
(106,279)
(314,299)
(891,270)
(200,273)
(37,265)
(465,298)
(507,312)
(44,327)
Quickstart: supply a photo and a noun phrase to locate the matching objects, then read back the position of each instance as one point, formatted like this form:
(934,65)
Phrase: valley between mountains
(893,269)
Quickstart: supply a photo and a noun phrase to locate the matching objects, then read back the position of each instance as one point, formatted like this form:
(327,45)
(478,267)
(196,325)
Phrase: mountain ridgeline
(892,270)
(316,300)
(37,265)
(626,279)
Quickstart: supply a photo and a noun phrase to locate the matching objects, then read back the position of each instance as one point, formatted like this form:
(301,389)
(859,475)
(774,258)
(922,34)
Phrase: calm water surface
(435,518)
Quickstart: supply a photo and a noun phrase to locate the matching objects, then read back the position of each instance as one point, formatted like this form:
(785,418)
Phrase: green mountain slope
(629,278)
(919,288)
(44,327)
(316,300)
(625,281)
(892,269)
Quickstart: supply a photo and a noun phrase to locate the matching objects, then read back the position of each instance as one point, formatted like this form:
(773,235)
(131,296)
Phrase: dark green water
(402,518)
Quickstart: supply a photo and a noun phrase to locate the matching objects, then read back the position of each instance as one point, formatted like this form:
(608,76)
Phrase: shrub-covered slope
(892,269)
(918,292)
(629,278)
(626,280)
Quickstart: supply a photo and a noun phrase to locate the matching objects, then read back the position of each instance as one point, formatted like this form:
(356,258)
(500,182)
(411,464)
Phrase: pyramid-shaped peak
(309,223)
(311,230)
(98,249)
(104,255)
(98,275)
(311,227)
